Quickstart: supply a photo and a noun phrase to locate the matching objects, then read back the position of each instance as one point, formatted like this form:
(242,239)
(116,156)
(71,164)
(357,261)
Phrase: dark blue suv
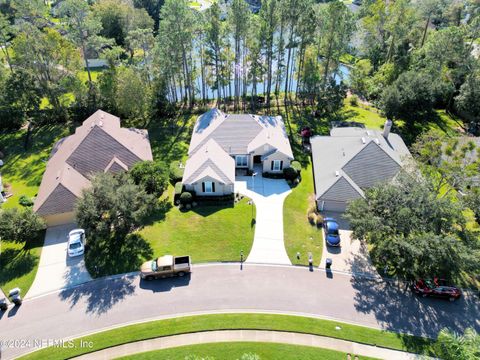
(332,236)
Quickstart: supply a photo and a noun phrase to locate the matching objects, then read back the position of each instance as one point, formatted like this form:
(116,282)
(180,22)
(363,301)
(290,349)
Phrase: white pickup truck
(165,266)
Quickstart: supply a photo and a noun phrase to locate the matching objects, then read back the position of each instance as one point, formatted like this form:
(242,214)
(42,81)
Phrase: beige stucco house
(99,145)
(225,144)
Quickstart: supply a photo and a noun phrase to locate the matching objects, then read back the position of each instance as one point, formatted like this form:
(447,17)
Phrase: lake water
(341,75)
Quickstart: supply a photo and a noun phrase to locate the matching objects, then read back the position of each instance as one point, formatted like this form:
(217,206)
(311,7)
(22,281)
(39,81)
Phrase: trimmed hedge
(290,173)
(178,192)
(176,172)
(223,199)
(273,175)
(296,165)
(186,198)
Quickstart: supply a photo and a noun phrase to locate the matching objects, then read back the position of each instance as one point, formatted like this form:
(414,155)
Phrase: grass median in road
(19,265)
(300,236)
(206,232)
(235,350)
(192,324)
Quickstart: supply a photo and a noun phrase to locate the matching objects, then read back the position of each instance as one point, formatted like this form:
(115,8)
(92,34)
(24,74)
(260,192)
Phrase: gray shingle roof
(342,190)
(371,165)
(361,157)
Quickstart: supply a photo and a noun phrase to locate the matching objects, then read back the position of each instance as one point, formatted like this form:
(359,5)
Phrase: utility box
(328,263)
(3,304)
(15,297)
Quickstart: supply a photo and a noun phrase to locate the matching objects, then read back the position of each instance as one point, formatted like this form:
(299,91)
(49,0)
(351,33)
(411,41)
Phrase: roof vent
(368,133)
(102,115)
(92,125)
(100,123)
(377,141)
(363,140)
(337,173)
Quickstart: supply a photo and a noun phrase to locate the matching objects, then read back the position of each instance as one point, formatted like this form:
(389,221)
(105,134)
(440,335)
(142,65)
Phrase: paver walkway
(250,336)
(56,270)
(268,196)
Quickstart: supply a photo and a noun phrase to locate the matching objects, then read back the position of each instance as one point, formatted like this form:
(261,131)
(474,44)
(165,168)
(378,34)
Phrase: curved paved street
(111,302)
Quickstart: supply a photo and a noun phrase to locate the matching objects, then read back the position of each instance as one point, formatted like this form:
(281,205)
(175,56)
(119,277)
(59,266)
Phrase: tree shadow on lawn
(104,257)
(207,209)
(398,309)
(15,263)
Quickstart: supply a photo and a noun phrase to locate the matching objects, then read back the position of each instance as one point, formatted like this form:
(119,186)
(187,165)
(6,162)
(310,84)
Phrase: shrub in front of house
(290,173)
(296,165)
(25,201)
(186,198)
(312,218)
(354,100)
(178,192)
(176,172)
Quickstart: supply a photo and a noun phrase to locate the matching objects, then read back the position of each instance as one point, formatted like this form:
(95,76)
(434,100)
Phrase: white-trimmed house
(223,144)
(352,160)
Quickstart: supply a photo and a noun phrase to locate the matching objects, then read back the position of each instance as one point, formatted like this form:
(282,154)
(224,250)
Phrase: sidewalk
(250,336)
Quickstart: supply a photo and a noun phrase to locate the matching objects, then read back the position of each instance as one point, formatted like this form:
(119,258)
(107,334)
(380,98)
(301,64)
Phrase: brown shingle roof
(98,144)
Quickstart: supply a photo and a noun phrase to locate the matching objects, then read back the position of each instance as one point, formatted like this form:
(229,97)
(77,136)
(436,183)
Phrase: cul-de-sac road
(111,302)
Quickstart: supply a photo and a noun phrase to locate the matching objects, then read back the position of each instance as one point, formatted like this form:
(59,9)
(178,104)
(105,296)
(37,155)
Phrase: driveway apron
(268,196)
(56,270)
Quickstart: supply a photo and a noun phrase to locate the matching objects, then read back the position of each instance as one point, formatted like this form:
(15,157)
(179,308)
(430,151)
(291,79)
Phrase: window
(241,160)
(277,165)
(208,187)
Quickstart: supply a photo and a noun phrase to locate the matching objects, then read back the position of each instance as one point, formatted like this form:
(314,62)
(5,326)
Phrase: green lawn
(207,233)
(18,266)
(23,169)
(191,324)
(235,350)
(367,115)
(299,235)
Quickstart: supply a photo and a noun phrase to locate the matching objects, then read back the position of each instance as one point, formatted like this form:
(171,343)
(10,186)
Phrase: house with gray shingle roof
(223,144)
(351,160)
(99,145)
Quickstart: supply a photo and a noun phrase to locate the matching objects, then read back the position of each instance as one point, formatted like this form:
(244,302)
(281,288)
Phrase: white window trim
(238,157)
(207,189)
(275,162)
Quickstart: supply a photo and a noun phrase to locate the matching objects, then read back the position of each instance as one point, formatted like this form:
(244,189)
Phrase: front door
(257,159)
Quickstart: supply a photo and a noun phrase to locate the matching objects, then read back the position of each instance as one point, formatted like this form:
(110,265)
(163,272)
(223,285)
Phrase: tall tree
(83,28)
(269,14)
(6,33)
(50,59)
(176,37)
(238,19)
(215,42)
(335,29)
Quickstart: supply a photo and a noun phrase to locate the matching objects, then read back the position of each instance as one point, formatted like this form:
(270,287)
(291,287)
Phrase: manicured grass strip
(206,232)
(300,236)
(235,350)
(191,324)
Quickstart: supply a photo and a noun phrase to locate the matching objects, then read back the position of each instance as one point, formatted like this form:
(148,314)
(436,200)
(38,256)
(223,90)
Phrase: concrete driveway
(352,256)
(56,270)
(268,196)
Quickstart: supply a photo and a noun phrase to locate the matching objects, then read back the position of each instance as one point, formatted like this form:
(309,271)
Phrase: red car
(436,288)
